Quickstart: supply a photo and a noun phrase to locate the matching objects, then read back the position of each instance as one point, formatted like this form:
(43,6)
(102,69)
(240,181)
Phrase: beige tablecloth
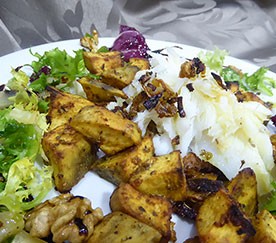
(246,28)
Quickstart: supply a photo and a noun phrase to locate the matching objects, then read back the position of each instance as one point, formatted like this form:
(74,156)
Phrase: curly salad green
(24,179)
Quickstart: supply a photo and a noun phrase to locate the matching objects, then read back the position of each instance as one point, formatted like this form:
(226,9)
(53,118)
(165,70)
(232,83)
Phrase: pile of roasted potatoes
(149,188)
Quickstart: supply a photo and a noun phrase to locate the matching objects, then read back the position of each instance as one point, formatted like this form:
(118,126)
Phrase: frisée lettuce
(20,145)
(24,97)
(56,67)
(270,203)
(256,82)
(21,126)
(27,185)
(12,223)
(18,140)
(213,59)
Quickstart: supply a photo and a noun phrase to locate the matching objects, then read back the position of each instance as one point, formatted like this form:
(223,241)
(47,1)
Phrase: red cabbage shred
(131,43)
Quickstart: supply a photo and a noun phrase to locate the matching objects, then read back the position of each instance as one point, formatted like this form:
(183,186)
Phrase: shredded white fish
(234,132)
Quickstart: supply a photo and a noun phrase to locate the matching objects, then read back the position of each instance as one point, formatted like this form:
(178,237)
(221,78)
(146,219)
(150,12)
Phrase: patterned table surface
(246,28)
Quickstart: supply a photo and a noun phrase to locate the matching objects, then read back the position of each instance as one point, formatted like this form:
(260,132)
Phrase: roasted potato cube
(164,175)
(119,167)
(200,188)
(243,188)
(184,209)
(110,131)
(220,220)
(70,154)
(193,240)
(141,63)
(265,225)
(97,91)
(96,63)
(63,106)
(155,211)
(202,178)
(197,168)
(119,77)
(118,227)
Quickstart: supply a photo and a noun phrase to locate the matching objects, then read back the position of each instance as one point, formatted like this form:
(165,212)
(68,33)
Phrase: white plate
(92,186)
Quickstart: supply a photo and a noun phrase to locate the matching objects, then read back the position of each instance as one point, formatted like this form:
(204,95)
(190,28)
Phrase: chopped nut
(65,217)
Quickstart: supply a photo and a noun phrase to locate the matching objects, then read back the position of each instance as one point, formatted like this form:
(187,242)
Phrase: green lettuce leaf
(20,137)
(103,49)
(18,141)
(259,82)
(229,74)
(11,224)
(19,80)
(64,69)
(270,203)
(27,185)
(213,59)
(25,98)
(256,82)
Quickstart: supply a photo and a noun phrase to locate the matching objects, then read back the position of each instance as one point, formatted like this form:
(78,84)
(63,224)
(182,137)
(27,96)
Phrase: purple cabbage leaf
(131,43)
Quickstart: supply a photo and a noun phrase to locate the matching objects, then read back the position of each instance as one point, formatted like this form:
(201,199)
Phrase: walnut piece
(66,217)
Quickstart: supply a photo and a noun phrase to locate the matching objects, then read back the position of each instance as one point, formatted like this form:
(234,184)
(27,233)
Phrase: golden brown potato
(220,220)
(202,178)
(118,227)
(119,167)
(164,175)
(243,188)
(193,240)
(110,131)
(141,63)
(265,225)
(70,154)
(196,167)
(97,92)
(63,106)
(119,77)
(155,211)
(96,63)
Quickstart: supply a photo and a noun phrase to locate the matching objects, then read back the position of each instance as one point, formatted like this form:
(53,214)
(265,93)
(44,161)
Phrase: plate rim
(75,43)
